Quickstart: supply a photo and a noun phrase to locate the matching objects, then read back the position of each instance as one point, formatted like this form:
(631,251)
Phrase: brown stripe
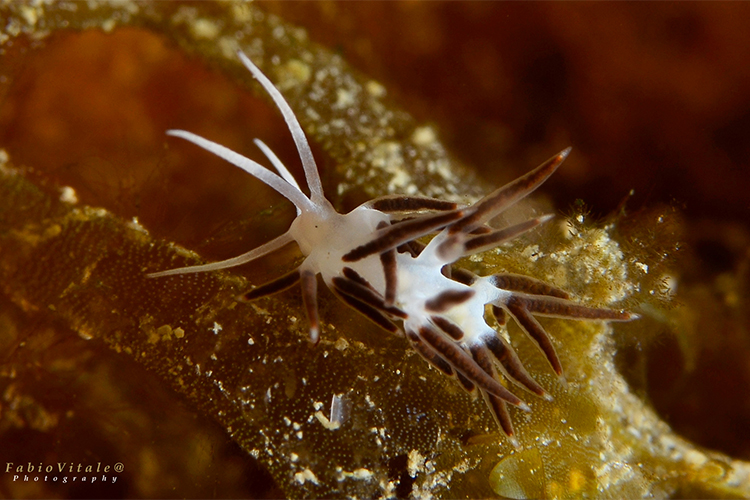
(482,357)
(551,306)
(491,240)
(519,283)
(367,311)
(499,314)
(447,299)
(462,362)
(428,353)
(481,230)
(410,203)
(512,365)
(467,384)
(393,236)
(390,270)
(463,276)
(353,275)
(448,327)
(533,329)
(365,295)
(500,412)
(278,285)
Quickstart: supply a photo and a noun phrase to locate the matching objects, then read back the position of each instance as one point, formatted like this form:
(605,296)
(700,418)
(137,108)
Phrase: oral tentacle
(305,153)
(253,168)
(246,257)
(277,163)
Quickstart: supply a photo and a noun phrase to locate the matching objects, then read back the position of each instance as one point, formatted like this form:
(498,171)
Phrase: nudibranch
(372,259)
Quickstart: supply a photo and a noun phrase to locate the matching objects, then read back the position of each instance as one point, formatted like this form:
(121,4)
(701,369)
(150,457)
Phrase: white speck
(344,99)
(293,457)
(304,476)
(423,136)
(331,426)
(68,195)
(109,25)
(339,409)
(375,89)
(135,224)
(204,28)
(29,15)
(228,46)
(362,474)
(317,405)
(670,282)
(250,341)
(415,462)
(341,344)
(643,267)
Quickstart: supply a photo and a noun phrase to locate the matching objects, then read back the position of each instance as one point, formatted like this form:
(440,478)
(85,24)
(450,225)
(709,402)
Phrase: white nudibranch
(372,260)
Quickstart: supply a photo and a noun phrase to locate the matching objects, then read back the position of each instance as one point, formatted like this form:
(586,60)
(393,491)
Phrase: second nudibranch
(372,259)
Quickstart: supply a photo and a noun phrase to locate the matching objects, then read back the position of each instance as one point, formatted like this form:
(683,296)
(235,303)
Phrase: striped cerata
(371,258)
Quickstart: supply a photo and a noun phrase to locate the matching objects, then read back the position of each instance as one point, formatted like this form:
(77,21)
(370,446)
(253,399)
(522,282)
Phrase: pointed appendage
(392,204)
(504,197)
(428,353)
(278,285)
(462,362)
(530,296)
(497,405)
(395,235)
(309,283)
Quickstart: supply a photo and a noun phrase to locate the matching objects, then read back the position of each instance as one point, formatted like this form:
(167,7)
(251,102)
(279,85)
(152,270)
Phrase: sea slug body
(372,260)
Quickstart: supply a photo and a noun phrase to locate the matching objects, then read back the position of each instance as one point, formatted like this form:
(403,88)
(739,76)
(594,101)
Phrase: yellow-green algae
(248,367)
